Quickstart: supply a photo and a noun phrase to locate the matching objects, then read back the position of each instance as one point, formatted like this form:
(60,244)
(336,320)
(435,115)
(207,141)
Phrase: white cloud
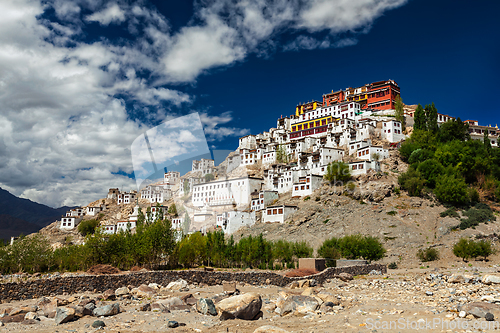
(111,14)
(213,130)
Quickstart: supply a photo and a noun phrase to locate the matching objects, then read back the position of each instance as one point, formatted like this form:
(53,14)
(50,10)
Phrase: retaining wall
(101,283)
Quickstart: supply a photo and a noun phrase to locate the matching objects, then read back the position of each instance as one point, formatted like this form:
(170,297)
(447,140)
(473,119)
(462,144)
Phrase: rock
(206,306)
(491,279)
(109,295)
(328,298)
(13,319)
(303,284)
(23,310)
(456,278)
(122,291)
(480,309)
(269,329)
(429,293)
(177,285)
(98,323)
(155,286)
(107,310)
(344,277)
(462,314)
(489,316)
(189,299)
(88,309)
(299,305)
(30,315)
(308,292)
(144,291)
(1,323)
(229,287)
(172,324)
(145,307)
(63,315)
(72,299)
(270,307)
(246,306)
(169,303)
(156,307)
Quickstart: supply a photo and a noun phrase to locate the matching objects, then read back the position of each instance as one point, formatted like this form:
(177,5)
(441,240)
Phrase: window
(361,166)
(275,211)
(296,188)
(280,211)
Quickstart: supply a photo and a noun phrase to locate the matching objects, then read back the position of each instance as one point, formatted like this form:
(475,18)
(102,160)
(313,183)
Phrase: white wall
(225,192)
(277,213)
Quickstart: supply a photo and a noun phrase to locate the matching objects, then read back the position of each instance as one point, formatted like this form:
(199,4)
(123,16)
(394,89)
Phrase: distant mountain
(19,215)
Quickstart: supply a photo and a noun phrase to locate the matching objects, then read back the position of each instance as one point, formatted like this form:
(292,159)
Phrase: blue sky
(80,80)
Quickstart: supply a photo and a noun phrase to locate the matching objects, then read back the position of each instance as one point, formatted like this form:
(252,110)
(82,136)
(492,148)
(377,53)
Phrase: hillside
(23,216)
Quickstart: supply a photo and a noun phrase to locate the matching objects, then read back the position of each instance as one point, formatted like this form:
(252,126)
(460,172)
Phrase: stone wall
(100,283)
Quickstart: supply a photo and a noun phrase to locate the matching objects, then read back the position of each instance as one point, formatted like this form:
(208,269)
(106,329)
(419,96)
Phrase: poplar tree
(400,113)
(431,118)
(420,119)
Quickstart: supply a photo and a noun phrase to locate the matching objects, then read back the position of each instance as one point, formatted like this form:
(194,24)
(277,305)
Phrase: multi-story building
(157,193)
(306,185)
(171,177)
(231,221)
(263,199)
(204,165)
(70,222)
(234,191)
(477,132)
(126,198)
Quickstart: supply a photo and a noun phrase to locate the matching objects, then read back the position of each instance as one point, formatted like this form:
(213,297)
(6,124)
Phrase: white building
(234,191)
(76,212)
(248,156)
(231,221)
(126,198)
(368,153)
(108,229)
(156,212)
(122,226)
(306,185)
(156,193)
(171,177)
(113,193)
(177,223)
(264,199)
(204,165)
(392,131)
(360,167)
(94,210)
(135,215)
(278,213)
(70,222)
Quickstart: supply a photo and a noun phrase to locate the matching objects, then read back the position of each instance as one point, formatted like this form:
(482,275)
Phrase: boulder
(189,299)
(13,319)
(269,329)
(172,324)
(145,307)
(328,298)
(169,303)
(298,304)
(144,291)
(63,315)
(88,309)
(177,285)
(229,287)
(206,306)
(98,323)
(23,310)
(30,315)
(491,279)
(456,278)
(480,309)
(107,310)
(122,291)
(344,277)
(109,295)
(246,306)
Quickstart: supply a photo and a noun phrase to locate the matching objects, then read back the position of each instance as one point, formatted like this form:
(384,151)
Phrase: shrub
(480,213)
(451,212)
(473,195)
(392,265)
(87,227)
(466,249)
(172,210)
(337,172)
(431,170)
(497,193)
(451,189)
(397,191)
(407,149)
(392,213)
(412,182)
(420,155)
(428,254)
(352,247)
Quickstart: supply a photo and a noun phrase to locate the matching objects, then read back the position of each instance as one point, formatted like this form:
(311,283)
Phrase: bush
(397,191)
(352,247)
(428,254)
(392,265)
(337,172)
(497,193)
(473,195)
(87,227)
(451,212)
(431,170)
(451,189)
(412,182)
(420,155)
(481,213)
(466,249)
(407,149)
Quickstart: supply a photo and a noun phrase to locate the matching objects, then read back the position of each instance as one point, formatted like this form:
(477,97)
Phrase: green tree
(451,189)
(420,121)
(431,116)
(186,224)
(428,254)
(192,250)
(454,129)
(281,155)
(487,142)
(412,181)
(400,113)
(186,187)
(172,210)
(87,227)
(337,172)
(209,177)
(430,170)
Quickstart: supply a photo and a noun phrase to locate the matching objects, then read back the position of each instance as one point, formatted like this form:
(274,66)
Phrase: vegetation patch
(428,254)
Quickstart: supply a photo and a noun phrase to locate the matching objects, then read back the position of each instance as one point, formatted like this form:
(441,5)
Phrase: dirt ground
(404,297)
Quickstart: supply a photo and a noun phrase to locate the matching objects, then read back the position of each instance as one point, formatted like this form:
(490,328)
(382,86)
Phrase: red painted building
(379,95)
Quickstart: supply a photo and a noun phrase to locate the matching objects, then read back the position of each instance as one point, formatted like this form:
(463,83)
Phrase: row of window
(358,166)
(275,211)
(302,187)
